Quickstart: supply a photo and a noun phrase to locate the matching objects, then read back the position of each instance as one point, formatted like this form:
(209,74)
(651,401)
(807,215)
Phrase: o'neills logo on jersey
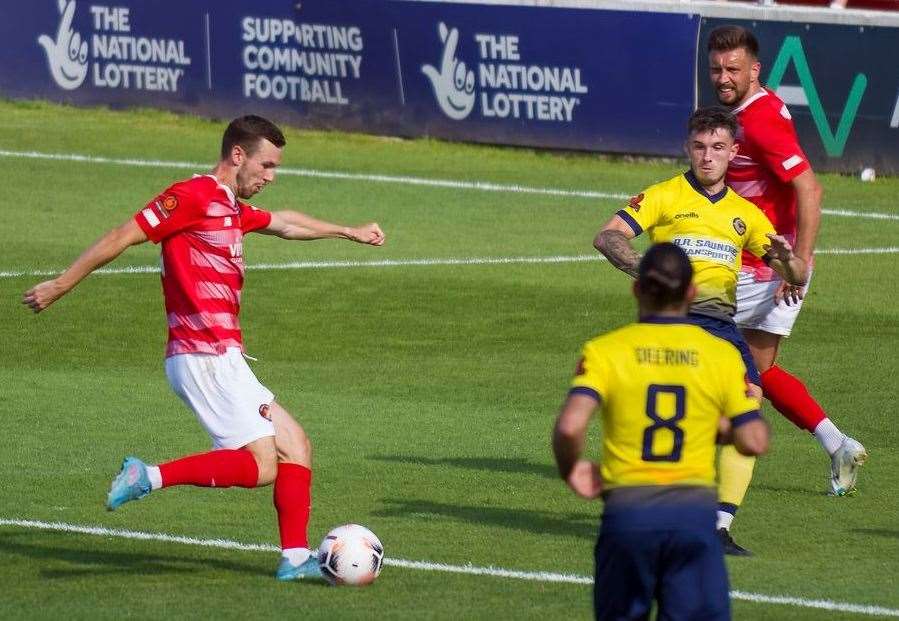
(502,85)
(112,56)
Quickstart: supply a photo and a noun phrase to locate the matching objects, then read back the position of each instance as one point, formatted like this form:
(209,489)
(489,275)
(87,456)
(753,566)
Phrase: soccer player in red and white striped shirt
(772,171)
(200,224)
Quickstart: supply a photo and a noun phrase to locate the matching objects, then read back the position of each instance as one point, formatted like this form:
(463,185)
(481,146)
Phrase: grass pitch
(429,391)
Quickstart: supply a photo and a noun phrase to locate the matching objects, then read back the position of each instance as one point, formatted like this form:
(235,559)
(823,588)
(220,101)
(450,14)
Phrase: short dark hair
(246,132)
(727,38)
(711,118)
(664,276)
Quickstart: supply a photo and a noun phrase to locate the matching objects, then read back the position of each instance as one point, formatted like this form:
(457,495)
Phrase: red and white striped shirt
(201,227)
(768,159)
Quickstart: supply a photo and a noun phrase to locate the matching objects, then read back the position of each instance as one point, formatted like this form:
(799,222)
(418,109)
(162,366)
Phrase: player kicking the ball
(200,223)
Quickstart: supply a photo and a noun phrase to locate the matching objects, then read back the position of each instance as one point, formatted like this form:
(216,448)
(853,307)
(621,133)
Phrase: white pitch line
(323,174)
(483,186)
(311,265)
(537,576)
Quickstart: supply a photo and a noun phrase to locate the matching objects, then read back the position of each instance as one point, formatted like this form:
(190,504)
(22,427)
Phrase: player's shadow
(489,464)
(89,561)
(789,489)
(580,524)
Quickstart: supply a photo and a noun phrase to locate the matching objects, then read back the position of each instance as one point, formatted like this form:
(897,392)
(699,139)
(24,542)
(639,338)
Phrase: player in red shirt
(200,224)
(772,171)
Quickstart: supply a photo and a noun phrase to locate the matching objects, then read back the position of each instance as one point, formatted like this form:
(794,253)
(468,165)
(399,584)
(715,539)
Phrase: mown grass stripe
(483,186)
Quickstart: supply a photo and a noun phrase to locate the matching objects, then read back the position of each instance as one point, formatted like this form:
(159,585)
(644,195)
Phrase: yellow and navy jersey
(663,385)
(712,229)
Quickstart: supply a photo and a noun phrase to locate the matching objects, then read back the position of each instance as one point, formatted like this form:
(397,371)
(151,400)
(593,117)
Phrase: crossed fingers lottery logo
(453,82)
(67,53)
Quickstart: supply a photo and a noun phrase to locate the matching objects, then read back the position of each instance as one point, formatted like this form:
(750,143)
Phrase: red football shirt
(769,158)
(201,226)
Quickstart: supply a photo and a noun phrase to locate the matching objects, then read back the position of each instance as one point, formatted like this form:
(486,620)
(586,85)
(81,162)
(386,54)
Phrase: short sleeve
(778,146)
(169,213)
(253,219)
(643,210)
(757,241)
(591,376)
(738,406)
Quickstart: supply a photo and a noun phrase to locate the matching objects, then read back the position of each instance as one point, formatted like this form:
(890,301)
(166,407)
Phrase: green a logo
(791,51)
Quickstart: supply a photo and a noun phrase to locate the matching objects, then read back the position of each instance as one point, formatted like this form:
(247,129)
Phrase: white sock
(829,436)
(296,556)
(725,519)
(155,477)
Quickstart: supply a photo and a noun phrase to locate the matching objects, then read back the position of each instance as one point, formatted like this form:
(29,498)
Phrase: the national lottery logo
(112,55)
(504,83)
(453,82)
(67,53)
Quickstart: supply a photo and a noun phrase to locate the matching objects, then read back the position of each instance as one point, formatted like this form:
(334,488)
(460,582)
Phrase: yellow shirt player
(713,229)
(713,225)
(667,389)
(662,368)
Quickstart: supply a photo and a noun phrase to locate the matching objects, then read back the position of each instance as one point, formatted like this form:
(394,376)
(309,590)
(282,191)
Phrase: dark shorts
(663,551)
(729,331)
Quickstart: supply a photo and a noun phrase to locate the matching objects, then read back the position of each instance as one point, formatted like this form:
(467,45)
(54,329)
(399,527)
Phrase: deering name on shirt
(667,356)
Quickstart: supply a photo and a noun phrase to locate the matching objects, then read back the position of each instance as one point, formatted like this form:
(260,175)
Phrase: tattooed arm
(613,241)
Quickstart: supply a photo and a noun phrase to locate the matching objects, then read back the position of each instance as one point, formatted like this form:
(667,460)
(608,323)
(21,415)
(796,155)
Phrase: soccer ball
(350,554)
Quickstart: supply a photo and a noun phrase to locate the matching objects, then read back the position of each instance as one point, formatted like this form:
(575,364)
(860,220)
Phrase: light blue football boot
(305,570)
(131,483)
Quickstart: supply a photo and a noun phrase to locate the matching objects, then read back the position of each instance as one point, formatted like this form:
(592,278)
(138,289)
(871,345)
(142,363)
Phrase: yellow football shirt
(663,384)
(712,229)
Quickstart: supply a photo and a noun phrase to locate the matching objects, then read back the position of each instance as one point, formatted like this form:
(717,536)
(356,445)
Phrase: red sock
(790,397)
(221,468)
(292,501)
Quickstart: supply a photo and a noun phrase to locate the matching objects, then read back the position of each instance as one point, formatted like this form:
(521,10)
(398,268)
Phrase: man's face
(732,74)
(257,170)
(710,152)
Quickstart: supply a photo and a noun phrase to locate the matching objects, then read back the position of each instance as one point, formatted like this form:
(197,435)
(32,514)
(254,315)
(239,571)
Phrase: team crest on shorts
(264,411)
(739,226)
(169,203)
(634,202)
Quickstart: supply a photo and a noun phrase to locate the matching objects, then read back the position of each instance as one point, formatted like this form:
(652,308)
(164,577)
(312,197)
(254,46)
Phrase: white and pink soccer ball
(350,555)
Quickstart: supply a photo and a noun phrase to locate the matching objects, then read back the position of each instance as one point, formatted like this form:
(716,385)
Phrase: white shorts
(224,394)
(756,308)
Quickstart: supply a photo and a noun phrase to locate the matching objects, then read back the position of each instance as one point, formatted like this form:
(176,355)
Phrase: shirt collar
(748,102)
(694,182)
(221,186)
(664,319)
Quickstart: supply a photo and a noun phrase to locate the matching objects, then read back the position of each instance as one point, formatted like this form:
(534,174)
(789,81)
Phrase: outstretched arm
(295,225)
(613,241)
(101,252)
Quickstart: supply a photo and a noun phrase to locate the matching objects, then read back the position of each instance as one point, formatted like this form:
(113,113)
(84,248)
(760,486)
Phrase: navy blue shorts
(728,331)
(679,564)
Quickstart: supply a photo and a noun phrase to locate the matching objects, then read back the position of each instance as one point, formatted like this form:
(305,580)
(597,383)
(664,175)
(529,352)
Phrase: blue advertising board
(611,81)
(129,54)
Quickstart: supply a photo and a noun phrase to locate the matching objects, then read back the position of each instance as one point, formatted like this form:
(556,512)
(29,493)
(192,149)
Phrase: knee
(268,469)
(295,448)
(266,457)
